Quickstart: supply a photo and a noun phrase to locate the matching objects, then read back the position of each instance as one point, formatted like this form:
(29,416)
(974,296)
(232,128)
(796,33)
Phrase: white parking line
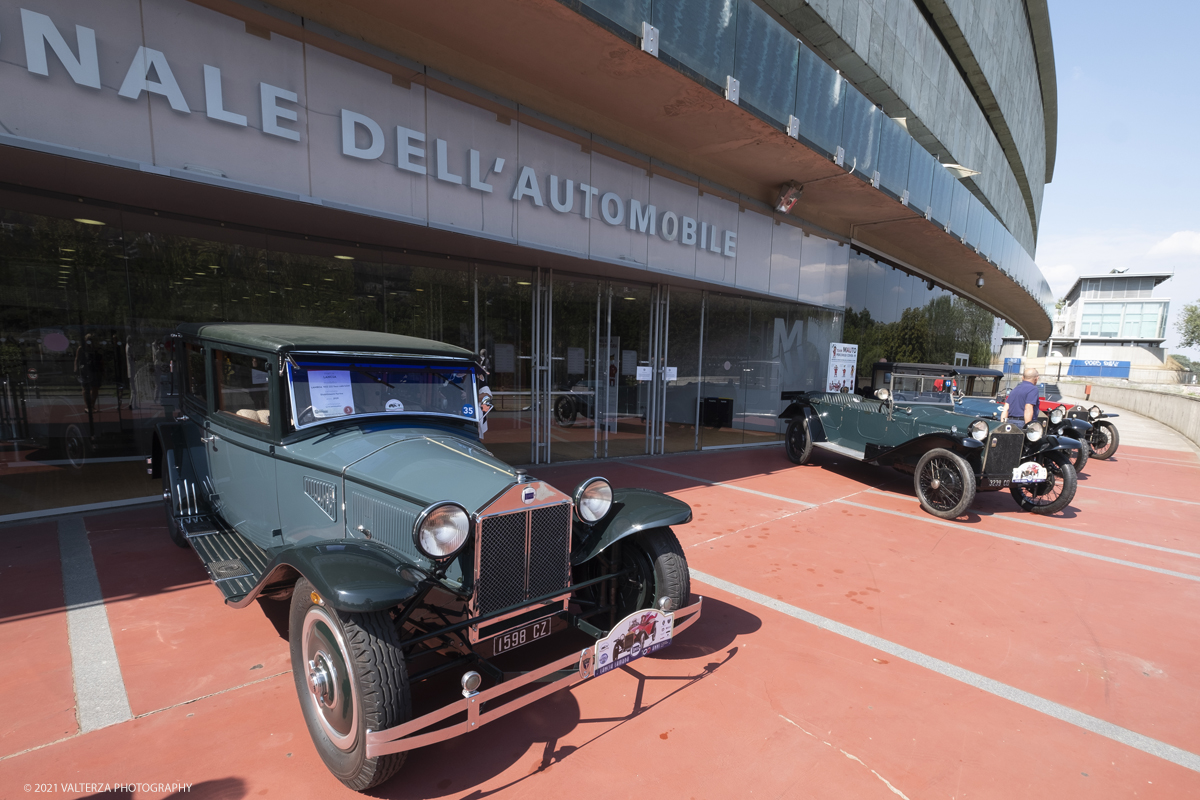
(1023,521)
(100,698)
(1139,494)
(1034,542)
(1050,708)
(723,485)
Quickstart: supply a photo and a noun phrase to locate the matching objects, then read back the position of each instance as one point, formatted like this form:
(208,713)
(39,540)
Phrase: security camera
(979,281)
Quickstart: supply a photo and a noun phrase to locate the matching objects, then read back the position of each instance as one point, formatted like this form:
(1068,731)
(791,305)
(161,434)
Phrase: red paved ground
(749,701)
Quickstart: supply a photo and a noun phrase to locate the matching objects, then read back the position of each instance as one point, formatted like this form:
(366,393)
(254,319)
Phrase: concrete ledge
(1178,411)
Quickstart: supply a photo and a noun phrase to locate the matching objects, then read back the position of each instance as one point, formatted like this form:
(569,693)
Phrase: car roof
(288,338)
(946,368)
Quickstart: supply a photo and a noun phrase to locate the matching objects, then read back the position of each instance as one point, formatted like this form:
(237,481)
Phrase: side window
(197,382)
(242,384)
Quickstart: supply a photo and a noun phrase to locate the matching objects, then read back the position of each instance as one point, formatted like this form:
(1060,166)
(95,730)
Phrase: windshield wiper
(442,375)
(364,371)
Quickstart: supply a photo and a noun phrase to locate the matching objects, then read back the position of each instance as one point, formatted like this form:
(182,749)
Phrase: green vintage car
(344,471)
(911,424)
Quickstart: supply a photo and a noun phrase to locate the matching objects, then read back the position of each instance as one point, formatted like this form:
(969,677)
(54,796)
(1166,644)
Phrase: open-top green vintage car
(344,470)
(912,425)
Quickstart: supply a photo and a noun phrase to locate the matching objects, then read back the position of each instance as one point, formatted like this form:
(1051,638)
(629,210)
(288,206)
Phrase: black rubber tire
(1080,459)
(1059,487)
(796,442)
(1104,440)
(380,690)
(945,483)
(659,570)
(75,446)
(565,411)
(173,528)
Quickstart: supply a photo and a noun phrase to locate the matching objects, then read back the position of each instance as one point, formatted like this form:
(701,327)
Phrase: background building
(575,188)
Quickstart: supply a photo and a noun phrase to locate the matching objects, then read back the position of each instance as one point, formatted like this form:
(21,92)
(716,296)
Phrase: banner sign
(843,359)
(1012,366)
(1097,368)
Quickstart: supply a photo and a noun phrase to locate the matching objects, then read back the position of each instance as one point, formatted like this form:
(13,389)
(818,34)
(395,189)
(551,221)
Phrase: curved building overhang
(1043,48)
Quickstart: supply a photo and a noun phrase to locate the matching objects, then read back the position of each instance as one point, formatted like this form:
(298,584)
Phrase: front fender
(915,448)
(633,510)
(1050,444)
(349,575)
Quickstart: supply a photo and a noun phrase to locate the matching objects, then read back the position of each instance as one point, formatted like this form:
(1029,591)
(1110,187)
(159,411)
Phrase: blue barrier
(1096,368)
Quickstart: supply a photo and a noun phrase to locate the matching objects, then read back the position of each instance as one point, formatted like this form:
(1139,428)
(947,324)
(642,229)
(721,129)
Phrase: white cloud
(1180,243)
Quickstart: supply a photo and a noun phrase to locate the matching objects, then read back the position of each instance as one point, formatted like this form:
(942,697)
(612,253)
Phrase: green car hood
(422,465)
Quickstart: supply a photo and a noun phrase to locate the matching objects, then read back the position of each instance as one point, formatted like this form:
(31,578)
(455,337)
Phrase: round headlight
(979,429)
(1094,412)
(1056,415)
(1034,431)
(442,530)
(593,499)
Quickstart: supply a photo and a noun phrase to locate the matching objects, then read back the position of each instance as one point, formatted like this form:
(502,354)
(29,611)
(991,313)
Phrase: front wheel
(350,676)
(1053,494)
(1104,440)
(565,411)
(945,483)
(657,569)
(796,442)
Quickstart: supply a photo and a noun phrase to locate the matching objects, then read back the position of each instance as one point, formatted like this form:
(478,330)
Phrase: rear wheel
(1104,440)
(350,676)
(170,503)
(565,411)
(796,442)
(945,483)
(1053,494)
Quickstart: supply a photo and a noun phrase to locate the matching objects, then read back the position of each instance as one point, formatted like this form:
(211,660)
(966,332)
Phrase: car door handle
(211,438)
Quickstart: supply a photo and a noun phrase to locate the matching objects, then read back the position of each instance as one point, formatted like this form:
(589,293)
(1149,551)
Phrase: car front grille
(521,555)
(1004,452)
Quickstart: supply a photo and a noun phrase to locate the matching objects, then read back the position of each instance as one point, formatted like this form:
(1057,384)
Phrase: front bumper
(560,674)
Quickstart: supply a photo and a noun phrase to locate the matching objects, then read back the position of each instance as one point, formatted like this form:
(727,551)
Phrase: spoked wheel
(565,411)
(75,446)
(945,483)
(351,676)
(796,442)
(1104,440)
(1054,493)
(1079,458)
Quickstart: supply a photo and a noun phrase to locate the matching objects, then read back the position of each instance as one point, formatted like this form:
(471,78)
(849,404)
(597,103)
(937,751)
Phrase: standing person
(89,369)
(1022,405)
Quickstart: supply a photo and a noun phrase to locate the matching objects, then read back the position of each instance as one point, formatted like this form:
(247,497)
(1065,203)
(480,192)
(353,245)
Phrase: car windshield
(923,389)
(324,389)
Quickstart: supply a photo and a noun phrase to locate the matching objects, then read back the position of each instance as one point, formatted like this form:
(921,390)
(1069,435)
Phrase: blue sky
(1126,188)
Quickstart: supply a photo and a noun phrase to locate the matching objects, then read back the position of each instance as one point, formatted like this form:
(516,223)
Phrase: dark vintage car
(977,393)
(343,471)
(912,425)
(1102,437)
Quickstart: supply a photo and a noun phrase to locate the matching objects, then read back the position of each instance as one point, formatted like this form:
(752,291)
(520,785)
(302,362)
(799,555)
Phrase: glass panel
(819,107)
(942,195)
(629,14)
(422,300)
(575,337)
(920,178)
(242,387)
(683,353)
(975,214)
(627,348)
(765,63)
(722,401)
(958,213)
(505,330)
(699,34)
(987,233)
(860,133)
(894,157)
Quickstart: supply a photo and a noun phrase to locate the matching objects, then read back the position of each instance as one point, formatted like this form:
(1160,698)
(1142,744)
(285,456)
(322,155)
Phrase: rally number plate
(510,640)
(1029,472)
(637,635)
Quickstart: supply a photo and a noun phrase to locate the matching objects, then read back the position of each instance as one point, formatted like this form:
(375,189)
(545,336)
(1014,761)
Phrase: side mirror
(882,394)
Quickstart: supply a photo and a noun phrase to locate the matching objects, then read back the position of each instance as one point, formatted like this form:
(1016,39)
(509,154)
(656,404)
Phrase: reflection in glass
(766,61)
(860,133)
(699,34)
(894,156)
(819,93)
(505,304)
(629,14)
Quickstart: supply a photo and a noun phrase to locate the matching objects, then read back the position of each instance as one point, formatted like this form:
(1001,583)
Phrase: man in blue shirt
(1022,407)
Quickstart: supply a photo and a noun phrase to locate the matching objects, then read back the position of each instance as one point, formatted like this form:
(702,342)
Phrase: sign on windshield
(322,390)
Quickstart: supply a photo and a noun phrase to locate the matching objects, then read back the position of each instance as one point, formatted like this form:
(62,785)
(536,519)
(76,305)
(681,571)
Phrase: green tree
(1188,325)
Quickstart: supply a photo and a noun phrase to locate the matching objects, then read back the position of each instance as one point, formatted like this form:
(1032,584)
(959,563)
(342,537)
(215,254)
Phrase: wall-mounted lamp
(789,193)
(929,285)
(979,279)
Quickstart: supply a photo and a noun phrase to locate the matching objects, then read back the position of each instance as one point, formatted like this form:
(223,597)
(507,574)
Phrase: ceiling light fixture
(344,258)
(789,193)
(88,221)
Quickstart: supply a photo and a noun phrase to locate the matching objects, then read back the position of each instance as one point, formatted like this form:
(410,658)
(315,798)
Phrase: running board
(234,564)
(840,450)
